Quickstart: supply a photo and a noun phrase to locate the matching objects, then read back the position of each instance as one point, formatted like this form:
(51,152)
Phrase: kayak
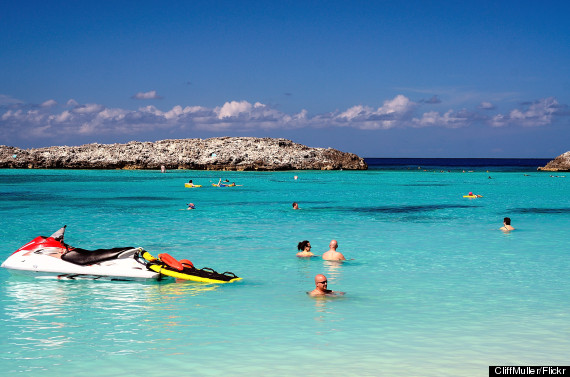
(190,185)
(184,269)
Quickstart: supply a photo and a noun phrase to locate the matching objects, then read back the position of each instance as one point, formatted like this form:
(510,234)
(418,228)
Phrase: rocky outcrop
(560,163)
(221,153)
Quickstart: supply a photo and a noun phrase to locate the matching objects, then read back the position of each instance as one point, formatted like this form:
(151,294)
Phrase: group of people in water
(225,183)
(331,254)
(321,287)
(304,248)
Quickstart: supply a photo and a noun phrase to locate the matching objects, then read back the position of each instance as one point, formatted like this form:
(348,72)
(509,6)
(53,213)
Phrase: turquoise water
(434,288)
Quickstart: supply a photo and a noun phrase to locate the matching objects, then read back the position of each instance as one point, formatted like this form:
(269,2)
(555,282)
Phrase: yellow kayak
(190,185)
(167,265)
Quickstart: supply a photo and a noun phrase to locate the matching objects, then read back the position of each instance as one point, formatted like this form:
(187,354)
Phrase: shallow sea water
(433,287)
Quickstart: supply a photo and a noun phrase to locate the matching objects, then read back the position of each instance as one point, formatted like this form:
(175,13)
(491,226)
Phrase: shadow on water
(70,178)
(403,209)
(427,184)
(540,210)
(27,196)
(405,213)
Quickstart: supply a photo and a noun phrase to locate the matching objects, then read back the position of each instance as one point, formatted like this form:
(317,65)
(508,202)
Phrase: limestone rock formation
(560,163)
(221,153)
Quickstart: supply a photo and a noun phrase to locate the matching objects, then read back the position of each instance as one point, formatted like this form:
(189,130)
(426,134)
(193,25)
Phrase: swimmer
(321,288)
(332,254)
(507,225)
(191,206)
(305,249)
(295,205)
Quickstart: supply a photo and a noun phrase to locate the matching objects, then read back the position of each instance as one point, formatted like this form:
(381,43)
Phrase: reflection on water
(333,269)
(47,313)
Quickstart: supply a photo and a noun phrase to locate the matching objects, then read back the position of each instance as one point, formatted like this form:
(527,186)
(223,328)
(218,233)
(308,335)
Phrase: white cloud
(148,95)
(49,103)
(391,114)
(539,113)
(7,100)
(90,108)
(448,120)
(50,120)
(233,109)
(486,106)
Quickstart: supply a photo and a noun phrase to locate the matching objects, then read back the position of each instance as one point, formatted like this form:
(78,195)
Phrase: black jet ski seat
(85,257)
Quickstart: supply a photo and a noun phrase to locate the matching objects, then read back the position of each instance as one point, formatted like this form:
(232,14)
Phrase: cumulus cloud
(450,119)
(51,120)
(392,113)
(148,95)
(536,114)
(234,109)
(49,103)
(486,106)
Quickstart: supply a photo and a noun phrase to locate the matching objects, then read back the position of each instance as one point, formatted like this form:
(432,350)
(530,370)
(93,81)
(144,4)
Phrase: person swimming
(507,225)
(321,288)
(304,248)
(332,254)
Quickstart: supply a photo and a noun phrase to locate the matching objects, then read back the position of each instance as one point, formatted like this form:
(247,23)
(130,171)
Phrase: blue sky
(376,78)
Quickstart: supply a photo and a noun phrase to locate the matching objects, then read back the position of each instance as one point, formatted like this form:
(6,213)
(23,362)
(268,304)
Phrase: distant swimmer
(321,288)
(191,206)
(295,205)
(471,195)
(332,254)
(304,248)
(507,225)
(225,183)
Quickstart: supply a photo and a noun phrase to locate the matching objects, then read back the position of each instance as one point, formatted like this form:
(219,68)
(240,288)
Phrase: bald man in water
(332,254)
(321,288)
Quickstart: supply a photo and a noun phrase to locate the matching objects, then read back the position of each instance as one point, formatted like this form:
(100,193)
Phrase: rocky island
(220,153)
(560,163)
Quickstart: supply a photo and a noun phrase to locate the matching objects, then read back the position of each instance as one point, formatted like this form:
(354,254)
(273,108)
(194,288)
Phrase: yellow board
(472,196)
(179,275)
(191,185)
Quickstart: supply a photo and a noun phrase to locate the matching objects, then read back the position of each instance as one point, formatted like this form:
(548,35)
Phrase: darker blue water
(495,164)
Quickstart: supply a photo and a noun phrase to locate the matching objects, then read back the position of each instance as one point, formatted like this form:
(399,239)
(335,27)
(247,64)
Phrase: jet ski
(51,256)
